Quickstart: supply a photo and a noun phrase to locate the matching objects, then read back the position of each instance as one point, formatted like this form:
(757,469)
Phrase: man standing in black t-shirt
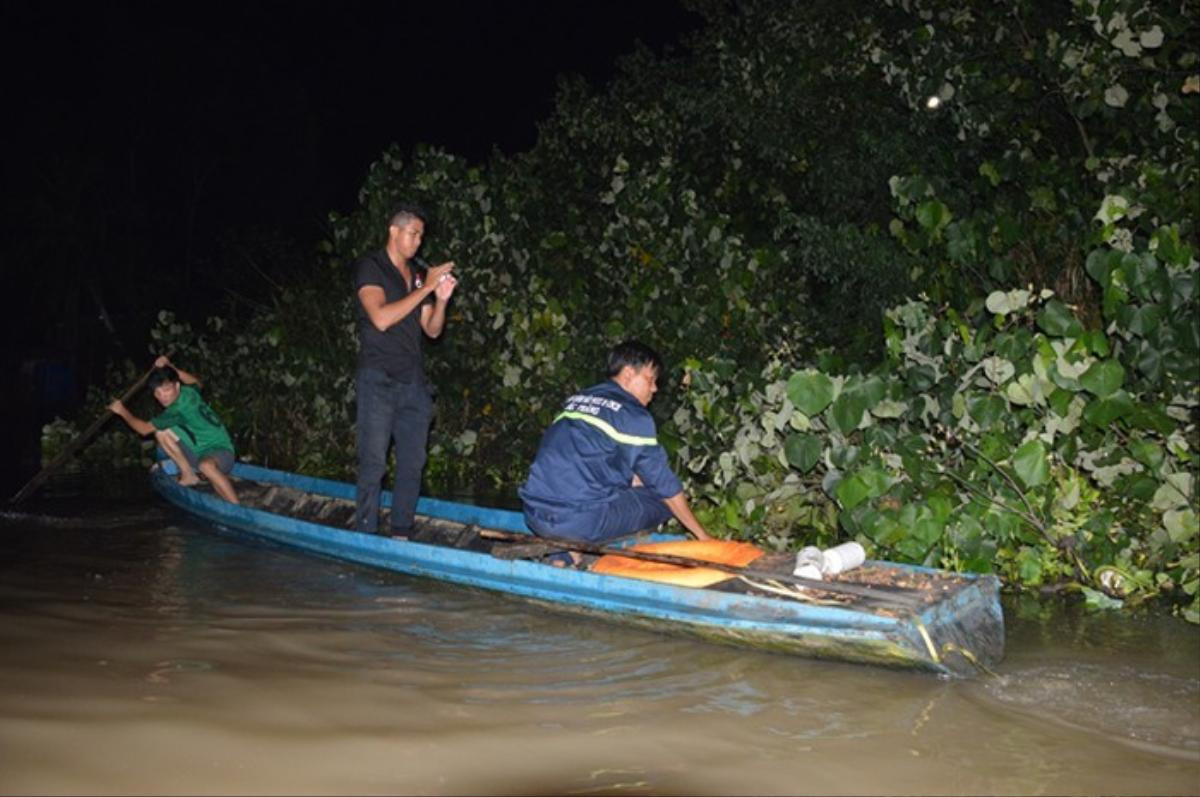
(397,304)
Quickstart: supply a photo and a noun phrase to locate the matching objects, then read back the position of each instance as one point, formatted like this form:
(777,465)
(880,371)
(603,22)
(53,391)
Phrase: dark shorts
(633,510)
(223,457)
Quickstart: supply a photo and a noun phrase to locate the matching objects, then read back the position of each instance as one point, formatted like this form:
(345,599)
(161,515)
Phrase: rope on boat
(788,592)
(969,656)
(933,654)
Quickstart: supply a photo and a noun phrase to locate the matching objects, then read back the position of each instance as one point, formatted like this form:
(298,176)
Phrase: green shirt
(197,426)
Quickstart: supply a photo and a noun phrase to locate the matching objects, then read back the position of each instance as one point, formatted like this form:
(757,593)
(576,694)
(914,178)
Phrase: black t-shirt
(396,351)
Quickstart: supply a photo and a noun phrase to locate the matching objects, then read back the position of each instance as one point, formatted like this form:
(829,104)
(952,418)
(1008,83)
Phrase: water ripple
(1122,703)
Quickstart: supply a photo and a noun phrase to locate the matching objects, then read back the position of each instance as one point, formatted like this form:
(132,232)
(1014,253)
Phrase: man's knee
(372,455)
(410,465)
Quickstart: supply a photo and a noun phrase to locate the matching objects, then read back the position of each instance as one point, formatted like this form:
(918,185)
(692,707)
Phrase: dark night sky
(271,112)
(140,139)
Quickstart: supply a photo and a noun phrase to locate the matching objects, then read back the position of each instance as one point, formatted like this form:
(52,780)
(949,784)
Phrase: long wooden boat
(880,613)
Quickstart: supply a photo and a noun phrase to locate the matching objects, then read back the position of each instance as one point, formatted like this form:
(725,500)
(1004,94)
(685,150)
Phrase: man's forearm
(135,423)
(679,507)
(437,319)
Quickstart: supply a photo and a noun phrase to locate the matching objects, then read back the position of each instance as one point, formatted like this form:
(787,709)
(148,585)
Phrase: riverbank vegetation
(925,276)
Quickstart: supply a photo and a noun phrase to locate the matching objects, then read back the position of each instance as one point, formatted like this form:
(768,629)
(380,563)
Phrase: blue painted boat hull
(932,639)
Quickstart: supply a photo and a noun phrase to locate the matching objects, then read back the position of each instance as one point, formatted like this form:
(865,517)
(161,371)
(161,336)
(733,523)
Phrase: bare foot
(189,480)
(576,558)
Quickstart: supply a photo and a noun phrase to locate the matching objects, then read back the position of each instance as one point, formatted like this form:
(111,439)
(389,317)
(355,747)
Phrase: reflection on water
(1122,702)
(160,657)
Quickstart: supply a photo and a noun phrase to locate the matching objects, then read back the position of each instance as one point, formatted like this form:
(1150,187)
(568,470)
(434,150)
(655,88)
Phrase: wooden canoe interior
(339,513)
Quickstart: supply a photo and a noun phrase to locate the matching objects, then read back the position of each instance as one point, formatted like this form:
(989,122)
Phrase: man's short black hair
(160,376)
(634,354)
(403,212)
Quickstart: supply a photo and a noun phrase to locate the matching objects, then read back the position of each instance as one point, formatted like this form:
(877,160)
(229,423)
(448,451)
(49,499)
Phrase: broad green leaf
(1116,96)
(1166,245)
(1181,524)
(912,549)
(986,410)
(851,492)
(872,389)
(941,507)
(1150,362)
(1097,343)
(1057,321)
(876,480)
(920,378)
(1005,302)
(848,411)
(927,530)
(1139,487)
(998,370)
(842,455)
(1115,295)
(889,409)
(1104,378)
(1098,600)
(988,170)
(1029,461)
(555,240)
(1176,492)
(1144,320)
(967,535)
(1001,526)
(1145,275)
(1101,263)
(1113,208)
(961,243)
(1151,418)
(733,515)
(802,451)
(1103,411)
(1026,391)
(1147,452)
(810,391)
(883,530)
(1060,402)
(933,215)
(1029,565)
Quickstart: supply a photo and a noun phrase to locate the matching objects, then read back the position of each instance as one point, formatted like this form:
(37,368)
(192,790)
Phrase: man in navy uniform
(600,472)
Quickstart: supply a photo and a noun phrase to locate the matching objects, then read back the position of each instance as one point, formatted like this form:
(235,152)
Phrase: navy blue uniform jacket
(602,437)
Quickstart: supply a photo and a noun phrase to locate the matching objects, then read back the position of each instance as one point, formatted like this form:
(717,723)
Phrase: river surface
(142,652)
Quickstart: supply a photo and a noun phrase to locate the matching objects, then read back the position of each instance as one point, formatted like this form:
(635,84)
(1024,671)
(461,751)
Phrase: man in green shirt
(187,429)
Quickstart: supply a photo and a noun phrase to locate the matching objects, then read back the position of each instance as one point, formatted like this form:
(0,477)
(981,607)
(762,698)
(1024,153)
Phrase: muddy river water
(144,653)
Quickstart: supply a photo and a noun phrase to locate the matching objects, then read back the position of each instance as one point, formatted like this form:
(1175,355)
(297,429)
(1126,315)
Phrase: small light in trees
(944,94)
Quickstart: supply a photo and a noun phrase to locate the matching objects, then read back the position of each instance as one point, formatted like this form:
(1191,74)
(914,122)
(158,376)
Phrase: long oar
(896,599)
(76,444)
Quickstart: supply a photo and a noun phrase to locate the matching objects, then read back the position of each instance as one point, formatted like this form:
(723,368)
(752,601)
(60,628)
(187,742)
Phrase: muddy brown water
(142,652)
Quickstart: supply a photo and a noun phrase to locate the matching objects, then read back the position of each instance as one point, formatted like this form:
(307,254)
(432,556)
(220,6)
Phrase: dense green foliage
(926,272)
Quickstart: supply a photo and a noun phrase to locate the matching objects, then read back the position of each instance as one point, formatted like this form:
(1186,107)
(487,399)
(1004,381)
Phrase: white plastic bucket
(841,558)
(810,561)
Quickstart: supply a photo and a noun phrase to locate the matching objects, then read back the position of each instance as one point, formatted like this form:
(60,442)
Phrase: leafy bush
(1008,438)
(926,274)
